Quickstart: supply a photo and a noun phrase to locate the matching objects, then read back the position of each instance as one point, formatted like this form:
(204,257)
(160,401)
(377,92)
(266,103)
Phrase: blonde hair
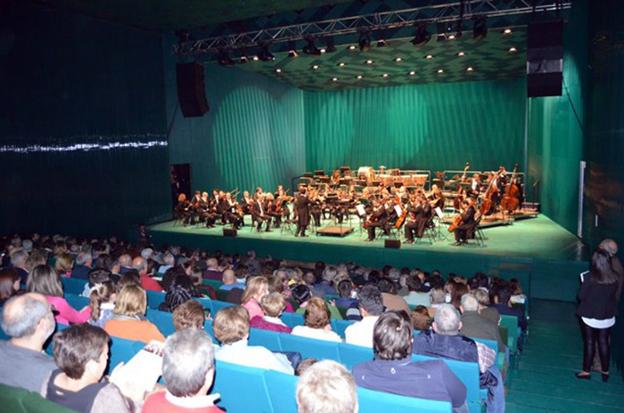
(131,301)
(189,314)
(231,324)
(100,293)
(326,387)
(316,313)
(256,286)
(63,263)
(273,304)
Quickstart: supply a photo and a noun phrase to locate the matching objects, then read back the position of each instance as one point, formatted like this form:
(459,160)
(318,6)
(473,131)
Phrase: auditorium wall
(71,80)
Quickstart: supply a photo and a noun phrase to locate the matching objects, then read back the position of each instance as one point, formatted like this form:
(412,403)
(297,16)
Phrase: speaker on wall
(191,89)
(392,243)
(229,232)
(545,59)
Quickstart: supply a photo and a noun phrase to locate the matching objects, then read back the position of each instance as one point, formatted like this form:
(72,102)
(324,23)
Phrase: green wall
(430,126)
(69,80)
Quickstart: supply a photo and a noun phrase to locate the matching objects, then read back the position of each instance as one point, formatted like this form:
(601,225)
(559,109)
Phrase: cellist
(467,221)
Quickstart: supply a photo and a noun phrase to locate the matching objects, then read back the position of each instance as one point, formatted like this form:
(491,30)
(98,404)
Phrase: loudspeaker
(227,232)
(191,89)
(545,59)
(392,243)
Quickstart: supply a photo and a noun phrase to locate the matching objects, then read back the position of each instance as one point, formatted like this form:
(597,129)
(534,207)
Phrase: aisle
(544,378)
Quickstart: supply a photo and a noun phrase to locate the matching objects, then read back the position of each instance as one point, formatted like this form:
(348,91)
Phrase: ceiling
(490,59)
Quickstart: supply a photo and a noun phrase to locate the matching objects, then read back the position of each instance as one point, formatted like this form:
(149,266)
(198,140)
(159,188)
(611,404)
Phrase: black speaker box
(392,243)
(229,232)
(191,89)
(545,59)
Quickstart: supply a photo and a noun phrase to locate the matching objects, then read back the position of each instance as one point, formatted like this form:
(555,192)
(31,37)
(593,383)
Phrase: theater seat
(339,326)
(218,305)
(371,401)
(242,389)
(292,319)
(265,338)
(162,319)
(122,350)
(308,347)
(77,301)
(282,390)
(17,400)
(350,355)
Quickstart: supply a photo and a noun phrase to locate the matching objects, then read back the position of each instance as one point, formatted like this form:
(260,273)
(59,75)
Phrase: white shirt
(274,320)
(253,356)
(317,333)
(418,298)
(361,333)
(599,323)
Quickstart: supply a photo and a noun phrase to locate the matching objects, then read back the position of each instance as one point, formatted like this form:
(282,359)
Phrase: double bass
(511,196)
(488,203)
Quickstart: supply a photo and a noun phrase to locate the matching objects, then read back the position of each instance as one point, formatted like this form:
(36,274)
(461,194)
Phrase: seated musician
(419,216)
(378,219)
(260,214)
(466,227)
(475,186)
(182,209)
(281,203)
(231,212)
(436,197)
(271,209)
(208,214)
(316,208)
(247,203)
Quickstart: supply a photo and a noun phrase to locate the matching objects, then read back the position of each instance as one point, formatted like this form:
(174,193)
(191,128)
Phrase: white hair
(447,320)
(326,387)
(188,358)
(469,302)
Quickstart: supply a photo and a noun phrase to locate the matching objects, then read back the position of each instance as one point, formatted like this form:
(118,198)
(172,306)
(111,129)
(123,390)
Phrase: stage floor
(535,250)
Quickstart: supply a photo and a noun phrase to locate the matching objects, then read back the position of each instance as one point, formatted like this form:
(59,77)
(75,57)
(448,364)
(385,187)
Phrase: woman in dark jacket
(596,310)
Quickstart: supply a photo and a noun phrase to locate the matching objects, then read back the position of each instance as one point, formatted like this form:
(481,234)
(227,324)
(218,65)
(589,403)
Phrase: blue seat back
(162,319)
(467,373)
(282,390)
(73,286)
(265,338)
(210,330)
(154,299)
(371,401)
(292,319)
(339,326)
(122,350)
(351,355)
(77,301)
(218,305)
(513,331)
(242,389)
(319,349)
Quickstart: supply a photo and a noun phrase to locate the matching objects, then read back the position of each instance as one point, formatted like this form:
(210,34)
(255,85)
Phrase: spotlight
(358,77)
(310,48)
(469,69)
(461,54)
(278,70)
(334,79)
(507,32)
(398,59)
(512,50)
(422,36)
(329,44)
(244,59)
(322,50)
(440,71)
(479,28)
(224,59)
(451,37)
(385,75)
(352,47)
(429,57)
(315,67)
(292,49)
(364,40)
(412,73)
(341,64)
(265,54)
(381,43)
(450,30)
(369,62)
(255,58)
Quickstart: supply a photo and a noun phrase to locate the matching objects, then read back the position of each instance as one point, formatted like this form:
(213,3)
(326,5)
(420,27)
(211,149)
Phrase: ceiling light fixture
(398,59)
(461,54)
(358,77)
(429,57)
(341,64)
(292,49)
(440,71)
(412,73)
(385,75)
(512,50)
(278,70)
(334,79)
(507,31)
(369,62)
(315,67)
(469,69)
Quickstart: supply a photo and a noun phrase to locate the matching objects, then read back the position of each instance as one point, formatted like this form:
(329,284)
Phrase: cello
(511,196)
(459,198)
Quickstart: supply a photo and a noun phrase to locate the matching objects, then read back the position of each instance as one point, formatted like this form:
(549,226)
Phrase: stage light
(358,77)
(315,67)
(398,59)
(244,59)
(255,58)
(278,70)
(369,62)
(352,47)
(479,28)
(440,71)
(265,54)
(292,49)
(451,37)
(412,73)
(450,30)
(329,44)
(422,36)
(364,40)
(385,75)
(461,54)
(341,64)
(429,57)
(512,50)
(310,48)
(322,50)
(469,69)
(224,59)
(334,79)
(507,32)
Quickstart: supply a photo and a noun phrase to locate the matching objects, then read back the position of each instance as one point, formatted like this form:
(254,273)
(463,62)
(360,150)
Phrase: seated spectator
(189,315)
(257,287)
(457,292)
(360,333)
(417,294)
(9,284)
(131,277)
(28,320)
(475,325)
(326,387)
(302,295)
(391,300)
(43,280)
(316,324)
(81,354)
(128,319)
(201,289)
(188,371)
(63,265)
(230,281)
(273,305)
(147,282)
(491,313)
(231,328)
(213,272)
(19,256)
(82,266)
(125,263)
(180,291)
(393,370)
(96,276)
(279,283)
(517,296)
(444,340)
(501,298)
(304,365)
(102,303)
(421,319)
(346,291)
(168,262)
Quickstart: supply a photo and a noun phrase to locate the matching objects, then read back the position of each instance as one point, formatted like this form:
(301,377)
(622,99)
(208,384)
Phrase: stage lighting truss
(449,11)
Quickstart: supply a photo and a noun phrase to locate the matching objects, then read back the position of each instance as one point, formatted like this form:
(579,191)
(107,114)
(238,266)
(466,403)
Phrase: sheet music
(439,212)
(360,210)
(398,210)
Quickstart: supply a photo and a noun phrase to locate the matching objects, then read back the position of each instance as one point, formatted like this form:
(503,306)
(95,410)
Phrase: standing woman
(596,309)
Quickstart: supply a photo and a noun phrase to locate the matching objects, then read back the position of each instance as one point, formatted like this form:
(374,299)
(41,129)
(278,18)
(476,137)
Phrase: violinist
(281,203)
(467,222)
(182,209)
(233,212)
(411,223)
(436,197)
(247,203)
(377,219)
(272,209)
(208,214)
(260,214)
(475,186)
(302,207)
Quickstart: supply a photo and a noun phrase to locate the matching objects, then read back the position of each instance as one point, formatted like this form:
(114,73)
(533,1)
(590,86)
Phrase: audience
(18,261)
(421,319)
(189,314)
(102,303)
(416,295)
(326,387)
(147,282)
(371,307)
(82,266)
(393,370)
(391,300)
(491,313)
(316,322)
(346,301)
(231,328)
(27,319)
(188,371)
(63,264)
(257,287)
(475,325)
(273,304)
(9,284)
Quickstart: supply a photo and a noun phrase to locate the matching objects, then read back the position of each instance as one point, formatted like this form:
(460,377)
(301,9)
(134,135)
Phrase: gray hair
(469,302)
(19,257)
(447,320)
(482,296)
(188,358)
(83,258)
(22,314)
(438,296)
(326,387)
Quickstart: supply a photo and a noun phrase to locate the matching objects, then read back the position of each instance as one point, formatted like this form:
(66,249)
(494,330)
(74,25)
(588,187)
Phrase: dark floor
(543,380)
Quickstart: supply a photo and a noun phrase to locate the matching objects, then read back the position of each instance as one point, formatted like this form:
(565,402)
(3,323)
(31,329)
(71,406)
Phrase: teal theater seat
(339,326)
(292,319)
(242,389)
(73,286)
(351,355)
(308,347)
(371,401)
(265,338)
(282,390)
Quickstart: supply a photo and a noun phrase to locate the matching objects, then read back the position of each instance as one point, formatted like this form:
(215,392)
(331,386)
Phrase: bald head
(229,277)
(28,315)
(139,264)
(609,245)
(125,260)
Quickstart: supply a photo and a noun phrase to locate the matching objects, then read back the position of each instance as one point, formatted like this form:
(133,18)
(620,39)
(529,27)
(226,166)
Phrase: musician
(182,209)
(260,214)
(281,203)
(475,186)
(231,211)
(378,219)
(271,207)
(413,210)
(316,208)
(208,212)
(302,207)
(247,203)
(436,197)
(467,224)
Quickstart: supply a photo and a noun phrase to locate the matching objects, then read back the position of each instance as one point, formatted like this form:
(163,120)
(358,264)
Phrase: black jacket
(597,300)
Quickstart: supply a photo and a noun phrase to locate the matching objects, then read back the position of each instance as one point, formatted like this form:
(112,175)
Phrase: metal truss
(391,20)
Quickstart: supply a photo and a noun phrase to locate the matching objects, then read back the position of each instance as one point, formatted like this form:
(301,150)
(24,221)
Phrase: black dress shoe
(605,377)
(583,375)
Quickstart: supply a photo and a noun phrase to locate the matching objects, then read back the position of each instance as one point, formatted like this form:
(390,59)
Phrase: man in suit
(475,325)
(302,205)
(378,219)
(260,214)
(462,232)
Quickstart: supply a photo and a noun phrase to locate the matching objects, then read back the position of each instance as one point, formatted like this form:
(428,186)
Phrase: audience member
(371,307)
(189,314)
(147,282)
(501,295)
(273,304)
(326,387)
(102,303)
(28,320)
(257,287)
(231,328)
(82,266)
(63,265)
(316,322)
(180,291)
(188,371)
(391,300)
(421,319)
(230,281)
(393,370)
(302,295)
(475,325)
(18,261)
(346,301)
(128,319)
(9,284)
(416,295)
(213,272)
(491,313)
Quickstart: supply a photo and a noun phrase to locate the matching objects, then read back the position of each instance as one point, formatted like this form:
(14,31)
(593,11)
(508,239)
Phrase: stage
(543,255)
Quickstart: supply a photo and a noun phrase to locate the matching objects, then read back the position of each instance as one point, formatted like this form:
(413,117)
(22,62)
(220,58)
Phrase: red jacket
(260,322)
